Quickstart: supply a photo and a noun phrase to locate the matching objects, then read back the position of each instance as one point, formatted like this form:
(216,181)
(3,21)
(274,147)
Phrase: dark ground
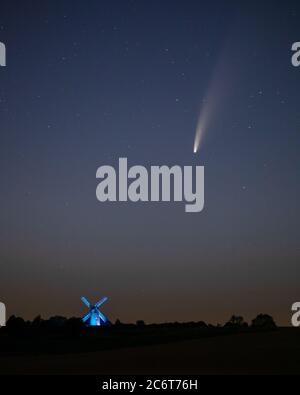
(276,352)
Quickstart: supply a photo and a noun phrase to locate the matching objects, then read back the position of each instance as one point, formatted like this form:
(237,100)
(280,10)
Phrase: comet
(221,86)
(198,138)
(200,129)
(209,108)
(203,122)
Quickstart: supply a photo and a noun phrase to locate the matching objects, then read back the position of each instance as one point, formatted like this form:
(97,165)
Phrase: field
(275,352)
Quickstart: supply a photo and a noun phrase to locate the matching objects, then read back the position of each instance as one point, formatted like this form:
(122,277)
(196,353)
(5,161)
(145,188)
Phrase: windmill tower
(94,316)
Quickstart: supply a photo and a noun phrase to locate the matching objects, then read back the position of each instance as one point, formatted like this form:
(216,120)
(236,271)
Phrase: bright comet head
(198,139)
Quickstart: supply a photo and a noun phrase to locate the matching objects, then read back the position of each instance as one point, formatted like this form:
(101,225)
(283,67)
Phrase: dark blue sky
(89,82)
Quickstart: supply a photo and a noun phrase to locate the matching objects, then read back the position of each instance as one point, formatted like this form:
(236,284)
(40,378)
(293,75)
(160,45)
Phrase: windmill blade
(84,319)
(86,302)
(101,302)
(103,318)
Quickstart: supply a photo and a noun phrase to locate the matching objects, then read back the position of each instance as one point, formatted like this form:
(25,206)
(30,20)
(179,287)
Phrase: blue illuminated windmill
(94,317)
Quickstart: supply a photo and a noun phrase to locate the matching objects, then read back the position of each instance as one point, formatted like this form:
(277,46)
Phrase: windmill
(94,317)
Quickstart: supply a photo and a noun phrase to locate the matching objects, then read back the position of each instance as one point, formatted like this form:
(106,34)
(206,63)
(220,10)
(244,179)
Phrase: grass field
(275,352)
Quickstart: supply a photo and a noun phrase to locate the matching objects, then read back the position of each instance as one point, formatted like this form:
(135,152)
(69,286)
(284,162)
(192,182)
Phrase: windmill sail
(94,317)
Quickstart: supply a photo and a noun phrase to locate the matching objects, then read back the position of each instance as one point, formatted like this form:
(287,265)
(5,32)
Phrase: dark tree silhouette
(56,322)
(37,322)
(237,322)
(75,325)
(15,323)
(264,321)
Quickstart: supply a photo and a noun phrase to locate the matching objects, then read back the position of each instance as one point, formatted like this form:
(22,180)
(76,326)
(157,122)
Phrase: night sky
(88,82)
